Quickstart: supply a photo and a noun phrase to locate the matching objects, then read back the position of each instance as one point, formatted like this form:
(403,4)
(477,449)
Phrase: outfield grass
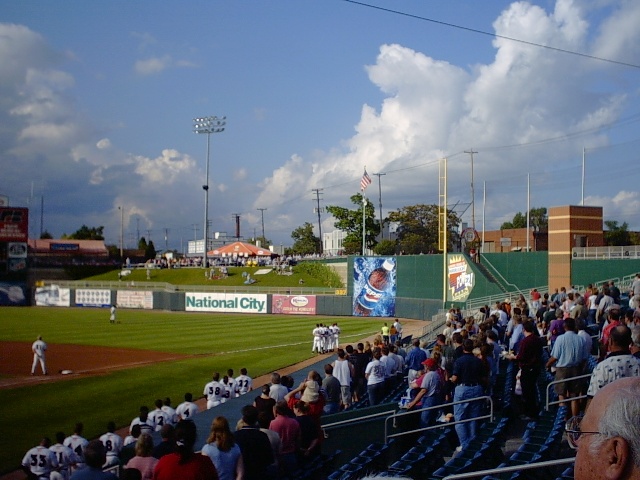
(195,276)
(32,412)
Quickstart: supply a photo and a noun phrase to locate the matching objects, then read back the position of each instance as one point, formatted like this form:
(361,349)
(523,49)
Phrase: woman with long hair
(223,451)
(184,463)
(143,461)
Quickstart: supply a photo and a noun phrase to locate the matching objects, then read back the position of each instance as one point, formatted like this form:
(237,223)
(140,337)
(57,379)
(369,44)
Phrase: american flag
(366,180)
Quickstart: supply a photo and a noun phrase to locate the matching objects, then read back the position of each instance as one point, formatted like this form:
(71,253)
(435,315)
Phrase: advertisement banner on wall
(92,297)
(13,294)
(374,287)
(53,296)
(134,299)
(225,302)
(14,224)
(294,304)
(461,278)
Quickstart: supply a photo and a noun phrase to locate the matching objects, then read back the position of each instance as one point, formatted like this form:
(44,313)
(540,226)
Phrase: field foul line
(284,345)
(41,379)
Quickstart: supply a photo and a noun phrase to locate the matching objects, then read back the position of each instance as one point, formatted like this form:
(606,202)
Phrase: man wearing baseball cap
(430,394)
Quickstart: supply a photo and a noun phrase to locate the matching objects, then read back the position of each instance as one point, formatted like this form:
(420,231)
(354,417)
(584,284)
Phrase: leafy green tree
(86,233)
(150,251)
(46,235)
(418,228)
(616,235)
(385,247)
(142,244)
(538,220)
(304,241)
(519,221)
(350,222)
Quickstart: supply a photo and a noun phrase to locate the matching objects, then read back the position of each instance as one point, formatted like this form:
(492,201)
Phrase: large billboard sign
(294,304)
(53,296)
(374,287)
(225,302)
(134,299)
(93,297)
(13,294)
(461,278)
(14,224)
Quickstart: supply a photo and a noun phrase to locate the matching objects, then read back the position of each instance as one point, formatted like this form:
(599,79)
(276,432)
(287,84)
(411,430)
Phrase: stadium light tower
(207,125)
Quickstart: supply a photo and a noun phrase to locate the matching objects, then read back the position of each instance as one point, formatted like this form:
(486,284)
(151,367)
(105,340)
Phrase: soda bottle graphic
(374,288)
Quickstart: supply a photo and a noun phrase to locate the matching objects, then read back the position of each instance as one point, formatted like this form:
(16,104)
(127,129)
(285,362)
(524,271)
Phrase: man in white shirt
(39,348)
(214,391)
(244,383)
(187,409)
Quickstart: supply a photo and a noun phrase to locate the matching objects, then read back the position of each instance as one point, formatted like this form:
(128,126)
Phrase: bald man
(609,440)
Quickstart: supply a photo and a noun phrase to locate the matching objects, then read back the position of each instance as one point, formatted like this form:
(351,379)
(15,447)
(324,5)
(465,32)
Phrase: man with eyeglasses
(608,436)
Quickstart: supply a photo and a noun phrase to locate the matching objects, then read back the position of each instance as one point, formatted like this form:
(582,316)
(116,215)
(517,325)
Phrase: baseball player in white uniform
(77,443)
(336,336)
(214,391)
(66,458)
(40,461)
(147,425)
(231,383)
(169,410)
(112,444)
(112,316)
(317,339)
(158,416)
(187,409)
(329,344)
(38,348)
(244,383)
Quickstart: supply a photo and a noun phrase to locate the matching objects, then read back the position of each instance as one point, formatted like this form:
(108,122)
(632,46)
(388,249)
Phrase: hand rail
(511,468)
(485,261)
(448,424)
(557,402)
(357,419)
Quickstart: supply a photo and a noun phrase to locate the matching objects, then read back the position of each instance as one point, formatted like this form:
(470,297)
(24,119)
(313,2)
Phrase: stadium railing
(395,416)
(549,402)
(493,472)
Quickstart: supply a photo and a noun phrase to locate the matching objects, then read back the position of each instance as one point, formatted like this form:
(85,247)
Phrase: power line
(494,35)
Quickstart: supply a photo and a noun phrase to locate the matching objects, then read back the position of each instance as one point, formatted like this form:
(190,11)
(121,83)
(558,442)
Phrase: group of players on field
(326,338)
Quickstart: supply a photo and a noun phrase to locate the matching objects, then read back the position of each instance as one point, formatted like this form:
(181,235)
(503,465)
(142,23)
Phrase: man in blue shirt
(414,360)
(567,355)
(470,377)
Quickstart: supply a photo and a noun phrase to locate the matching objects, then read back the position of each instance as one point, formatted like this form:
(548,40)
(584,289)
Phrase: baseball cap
(429,363)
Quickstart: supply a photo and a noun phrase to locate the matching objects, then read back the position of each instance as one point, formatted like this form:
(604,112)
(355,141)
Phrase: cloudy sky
(97,101)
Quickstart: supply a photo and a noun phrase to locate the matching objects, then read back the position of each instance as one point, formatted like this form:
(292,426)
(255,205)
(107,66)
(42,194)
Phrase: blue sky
(97,101)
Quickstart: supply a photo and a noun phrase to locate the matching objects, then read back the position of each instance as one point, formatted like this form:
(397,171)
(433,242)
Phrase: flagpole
(364,183)
(364,228)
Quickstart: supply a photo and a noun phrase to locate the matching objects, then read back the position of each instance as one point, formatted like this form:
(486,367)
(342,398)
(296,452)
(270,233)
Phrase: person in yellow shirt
(385,333)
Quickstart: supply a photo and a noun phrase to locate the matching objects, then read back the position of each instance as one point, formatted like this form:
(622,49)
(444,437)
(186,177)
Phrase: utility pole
(138,228)
(380,202)
(262,214)
(318,211)
(121,233)
(473,194)
(166,239)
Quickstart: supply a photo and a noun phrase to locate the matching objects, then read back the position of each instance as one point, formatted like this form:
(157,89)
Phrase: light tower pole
(207,125)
